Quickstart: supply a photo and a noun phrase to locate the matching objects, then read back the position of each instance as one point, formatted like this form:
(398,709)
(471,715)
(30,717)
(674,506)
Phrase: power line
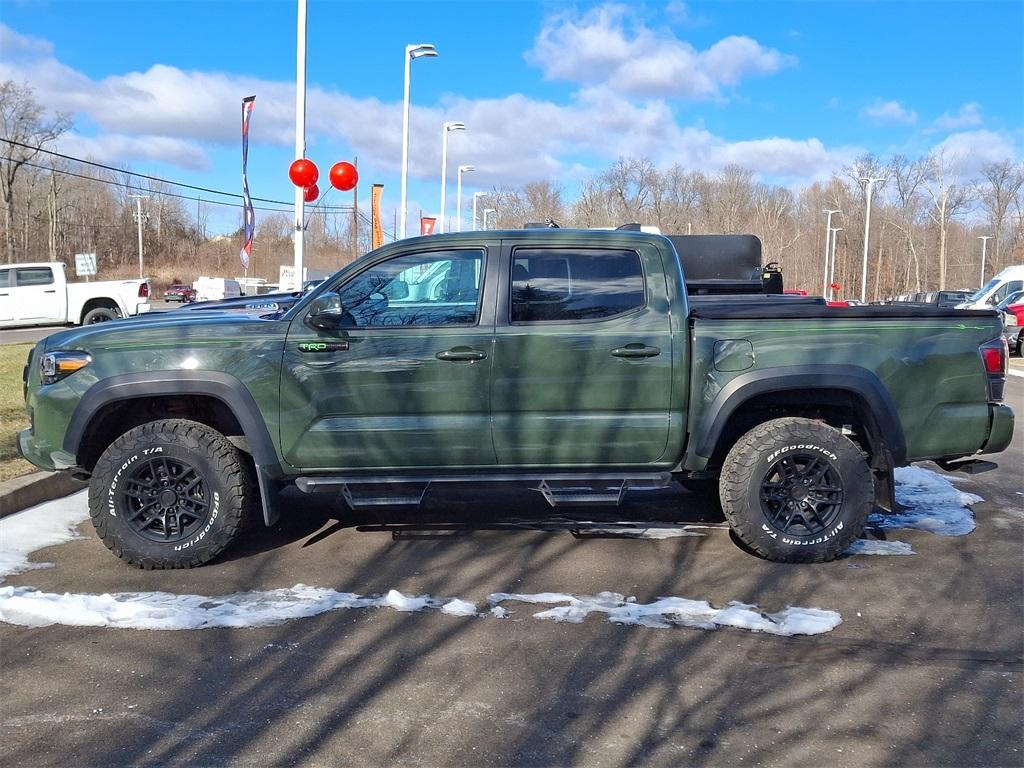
(150,178)
(339,209)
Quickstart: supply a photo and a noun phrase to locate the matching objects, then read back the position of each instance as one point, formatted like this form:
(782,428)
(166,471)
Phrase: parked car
(40,294)
(574,362)
(1010,280)
(216,288)
(180,293)
(1012,309)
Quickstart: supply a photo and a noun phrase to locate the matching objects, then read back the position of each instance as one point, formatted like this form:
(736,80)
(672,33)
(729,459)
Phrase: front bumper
(1000,431)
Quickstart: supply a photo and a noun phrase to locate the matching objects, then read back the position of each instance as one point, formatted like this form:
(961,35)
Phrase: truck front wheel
(170,494)
(796,490)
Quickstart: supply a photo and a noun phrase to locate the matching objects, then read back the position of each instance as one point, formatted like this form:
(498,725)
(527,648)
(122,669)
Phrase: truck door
(37,296)
(404,381)
(582,371)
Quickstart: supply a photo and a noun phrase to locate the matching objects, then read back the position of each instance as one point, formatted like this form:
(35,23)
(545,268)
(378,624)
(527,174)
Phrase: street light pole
(138,219)
(448,128)
(458,195)
(832,272)
(828,236)
(411,52)
(300,140)
(870,181)
(984,242)
(487,211)
(476,196)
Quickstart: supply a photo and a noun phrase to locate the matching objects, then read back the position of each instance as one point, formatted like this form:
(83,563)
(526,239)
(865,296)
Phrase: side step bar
(558,489)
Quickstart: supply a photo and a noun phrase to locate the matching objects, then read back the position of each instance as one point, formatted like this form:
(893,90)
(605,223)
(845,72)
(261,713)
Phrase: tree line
(925,218)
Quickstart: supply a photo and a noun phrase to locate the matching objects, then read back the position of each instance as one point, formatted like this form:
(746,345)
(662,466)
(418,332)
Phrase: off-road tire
(100,315)
(750,468)
(228,487)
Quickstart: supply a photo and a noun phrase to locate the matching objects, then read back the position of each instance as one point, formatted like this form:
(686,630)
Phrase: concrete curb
(28,490)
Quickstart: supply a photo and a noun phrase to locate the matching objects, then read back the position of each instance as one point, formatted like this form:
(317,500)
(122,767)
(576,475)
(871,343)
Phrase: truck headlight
(58,365)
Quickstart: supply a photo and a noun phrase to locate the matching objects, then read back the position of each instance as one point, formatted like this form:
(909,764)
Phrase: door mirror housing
(326,312)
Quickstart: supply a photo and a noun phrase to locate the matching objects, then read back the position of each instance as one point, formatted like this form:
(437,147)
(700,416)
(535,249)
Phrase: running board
(558,489)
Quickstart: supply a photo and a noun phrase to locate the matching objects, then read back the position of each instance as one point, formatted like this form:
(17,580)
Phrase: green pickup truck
(580,363)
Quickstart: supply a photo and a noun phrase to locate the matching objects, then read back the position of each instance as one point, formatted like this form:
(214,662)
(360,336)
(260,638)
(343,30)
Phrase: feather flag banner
(250,215)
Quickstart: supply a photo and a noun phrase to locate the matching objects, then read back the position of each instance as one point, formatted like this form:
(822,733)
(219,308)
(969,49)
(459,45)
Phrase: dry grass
(12,410)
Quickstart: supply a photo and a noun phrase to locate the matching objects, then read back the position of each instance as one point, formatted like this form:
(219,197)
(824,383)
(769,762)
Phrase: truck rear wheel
(100,315)
(796,490)
(170,494)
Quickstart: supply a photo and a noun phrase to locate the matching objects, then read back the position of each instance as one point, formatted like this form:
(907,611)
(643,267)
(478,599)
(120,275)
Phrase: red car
(1013,307)
(178,292)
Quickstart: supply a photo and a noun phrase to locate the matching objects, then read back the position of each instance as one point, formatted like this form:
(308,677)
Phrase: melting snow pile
(934,504)
(670,611)
(876,547)
(43,526)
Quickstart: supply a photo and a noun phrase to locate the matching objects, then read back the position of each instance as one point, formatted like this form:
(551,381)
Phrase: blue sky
(793,90)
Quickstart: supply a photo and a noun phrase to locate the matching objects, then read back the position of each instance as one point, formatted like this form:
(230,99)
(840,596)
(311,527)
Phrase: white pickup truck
(40,294)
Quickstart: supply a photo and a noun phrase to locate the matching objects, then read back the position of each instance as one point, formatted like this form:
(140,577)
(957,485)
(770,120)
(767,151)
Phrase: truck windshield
(976,296)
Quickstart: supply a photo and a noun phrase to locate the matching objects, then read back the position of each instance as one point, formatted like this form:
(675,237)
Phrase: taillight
(143,290)
(995,354)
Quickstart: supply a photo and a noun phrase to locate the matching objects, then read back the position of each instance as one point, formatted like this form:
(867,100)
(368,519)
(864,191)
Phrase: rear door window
(34,276)
(559,285)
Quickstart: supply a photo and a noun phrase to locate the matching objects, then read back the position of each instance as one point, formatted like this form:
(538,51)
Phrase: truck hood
(188,324)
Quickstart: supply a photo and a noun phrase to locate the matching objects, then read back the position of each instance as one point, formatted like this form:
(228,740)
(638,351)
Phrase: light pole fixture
(476,196)
(139,217)
(447,128)
(870,181)
(828,237)
(299,226)
(411,52)
(458,195)
(487,211)
(832,270)
(984,242)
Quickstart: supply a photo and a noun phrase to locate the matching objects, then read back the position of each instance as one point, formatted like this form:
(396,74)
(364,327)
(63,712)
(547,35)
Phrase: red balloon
(303,173)
(312,193)
(835,286)
(344,176)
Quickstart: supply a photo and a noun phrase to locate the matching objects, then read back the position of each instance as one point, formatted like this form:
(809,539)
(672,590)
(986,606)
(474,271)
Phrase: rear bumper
(1000,431)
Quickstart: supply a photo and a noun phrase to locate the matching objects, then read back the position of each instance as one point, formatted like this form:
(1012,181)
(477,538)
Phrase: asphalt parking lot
(925,668)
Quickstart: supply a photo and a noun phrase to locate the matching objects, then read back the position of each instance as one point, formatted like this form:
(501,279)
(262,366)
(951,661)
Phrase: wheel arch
(830,386)
(99,302)
(221,387)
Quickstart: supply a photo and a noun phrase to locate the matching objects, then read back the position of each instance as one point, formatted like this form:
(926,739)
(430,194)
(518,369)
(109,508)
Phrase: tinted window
(423,289)
(34,275)
(564,284)
(5,278)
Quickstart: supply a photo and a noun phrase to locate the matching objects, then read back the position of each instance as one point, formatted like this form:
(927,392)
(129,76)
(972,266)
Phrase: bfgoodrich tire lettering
(796,490)
(170,494)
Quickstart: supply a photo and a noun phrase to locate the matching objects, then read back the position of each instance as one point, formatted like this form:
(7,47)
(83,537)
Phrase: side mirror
(326,312)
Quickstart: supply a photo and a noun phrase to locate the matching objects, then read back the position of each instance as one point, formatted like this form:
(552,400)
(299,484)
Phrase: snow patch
(45,525)
(876,547)
(676,611)
(933,504)
(458,607)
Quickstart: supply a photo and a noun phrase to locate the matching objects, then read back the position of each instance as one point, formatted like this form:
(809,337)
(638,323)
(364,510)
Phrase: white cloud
(888,113)
(608,46)
(968,151)
(968,116)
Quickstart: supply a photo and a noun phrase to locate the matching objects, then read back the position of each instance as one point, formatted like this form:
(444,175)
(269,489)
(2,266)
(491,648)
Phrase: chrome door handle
(49,291)
(461,355)
(633,351)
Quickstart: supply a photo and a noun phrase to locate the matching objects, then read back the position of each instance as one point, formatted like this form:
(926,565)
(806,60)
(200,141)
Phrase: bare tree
(949,198)
(1002,186)
(25,129)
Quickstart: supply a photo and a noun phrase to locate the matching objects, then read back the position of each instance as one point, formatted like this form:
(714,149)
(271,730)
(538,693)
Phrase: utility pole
(138,219)
(828,238)
(300,140)
(870,181)
(984,242)
(832,272)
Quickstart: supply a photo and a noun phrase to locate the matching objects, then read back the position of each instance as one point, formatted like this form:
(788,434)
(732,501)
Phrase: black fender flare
(221,386)
(806,378)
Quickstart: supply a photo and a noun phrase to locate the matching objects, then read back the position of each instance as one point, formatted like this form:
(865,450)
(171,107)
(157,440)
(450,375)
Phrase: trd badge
(323,346)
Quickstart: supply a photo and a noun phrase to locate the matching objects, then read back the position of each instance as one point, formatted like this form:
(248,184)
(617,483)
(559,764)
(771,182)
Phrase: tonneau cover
(775,310)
